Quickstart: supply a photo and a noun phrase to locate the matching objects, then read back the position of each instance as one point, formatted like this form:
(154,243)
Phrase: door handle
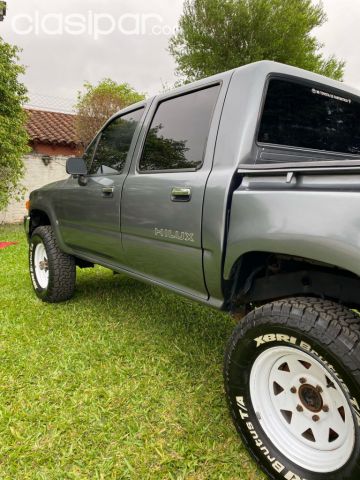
(181,194)
(107,192)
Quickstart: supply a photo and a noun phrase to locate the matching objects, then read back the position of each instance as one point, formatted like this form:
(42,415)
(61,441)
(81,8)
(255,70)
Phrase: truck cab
(240,191)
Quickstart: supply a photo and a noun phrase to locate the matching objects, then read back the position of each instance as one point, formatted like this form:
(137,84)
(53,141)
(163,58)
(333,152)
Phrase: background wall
(37,174)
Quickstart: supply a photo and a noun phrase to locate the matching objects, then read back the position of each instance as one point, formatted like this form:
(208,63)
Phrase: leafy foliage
(97,103)
(163,153)
(2,10)
(218,35)
(13,135)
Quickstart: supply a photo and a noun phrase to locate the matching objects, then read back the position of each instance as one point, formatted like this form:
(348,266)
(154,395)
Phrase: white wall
(37,175)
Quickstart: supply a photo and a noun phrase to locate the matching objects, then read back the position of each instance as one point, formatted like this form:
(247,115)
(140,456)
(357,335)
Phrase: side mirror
(76,166)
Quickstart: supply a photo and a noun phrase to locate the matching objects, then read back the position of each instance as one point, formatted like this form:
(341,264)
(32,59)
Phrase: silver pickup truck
(242,192)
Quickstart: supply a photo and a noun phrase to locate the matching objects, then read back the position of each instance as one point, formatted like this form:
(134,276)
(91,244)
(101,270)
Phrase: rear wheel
(53,272)
(292,379)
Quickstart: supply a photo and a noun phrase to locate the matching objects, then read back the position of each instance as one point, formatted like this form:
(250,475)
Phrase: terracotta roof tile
(53,128)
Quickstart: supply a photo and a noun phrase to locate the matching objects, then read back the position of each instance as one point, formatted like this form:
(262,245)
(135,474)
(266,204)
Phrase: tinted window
(312,117)
(179,130)
(114,144)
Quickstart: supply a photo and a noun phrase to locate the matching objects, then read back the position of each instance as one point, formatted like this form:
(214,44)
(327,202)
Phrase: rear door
(90,209)
(163,194)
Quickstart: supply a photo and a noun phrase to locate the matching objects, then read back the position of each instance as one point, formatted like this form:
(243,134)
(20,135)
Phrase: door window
(179,130)
(114,144)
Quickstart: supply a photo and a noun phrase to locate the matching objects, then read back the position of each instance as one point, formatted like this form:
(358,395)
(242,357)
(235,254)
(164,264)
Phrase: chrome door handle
(107,192)
(181,194)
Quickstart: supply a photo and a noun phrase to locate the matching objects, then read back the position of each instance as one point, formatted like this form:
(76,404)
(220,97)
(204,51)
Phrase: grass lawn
(123,382)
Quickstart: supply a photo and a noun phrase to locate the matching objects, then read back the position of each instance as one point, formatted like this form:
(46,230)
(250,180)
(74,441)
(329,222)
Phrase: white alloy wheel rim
(41,265)
(302,409)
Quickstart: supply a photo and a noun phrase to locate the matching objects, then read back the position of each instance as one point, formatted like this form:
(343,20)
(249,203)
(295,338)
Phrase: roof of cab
(261,69)
(265,68)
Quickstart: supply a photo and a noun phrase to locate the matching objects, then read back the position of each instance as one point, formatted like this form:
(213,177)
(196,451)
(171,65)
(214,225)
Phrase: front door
(163,195)
(90,207)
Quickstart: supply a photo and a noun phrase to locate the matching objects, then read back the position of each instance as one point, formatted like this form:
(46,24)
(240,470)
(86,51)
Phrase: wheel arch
(41,216)
(38,218)
(259,277)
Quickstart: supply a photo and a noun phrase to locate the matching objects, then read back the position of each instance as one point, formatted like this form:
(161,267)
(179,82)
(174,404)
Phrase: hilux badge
(174,234)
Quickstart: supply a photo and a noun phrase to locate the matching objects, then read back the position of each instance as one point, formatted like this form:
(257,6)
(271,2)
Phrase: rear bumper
(27,227)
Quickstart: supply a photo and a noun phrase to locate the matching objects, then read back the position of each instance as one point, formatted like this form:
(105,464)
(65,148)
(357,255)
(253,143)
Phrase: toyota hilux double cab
(242,192)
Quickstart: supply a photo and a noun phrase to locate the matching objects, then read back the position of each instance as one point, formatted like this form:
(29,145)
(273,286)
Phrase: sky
(68,42)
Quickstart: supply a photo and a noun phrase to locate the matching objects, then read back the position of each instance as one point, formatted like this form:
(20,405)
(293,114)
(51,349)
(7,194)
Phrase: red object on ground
(7,244)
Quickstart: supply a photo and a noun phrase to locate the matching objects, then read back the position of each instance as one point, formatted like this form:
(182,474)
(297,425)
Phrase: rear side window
(179,130)
(313,117)
(114,144)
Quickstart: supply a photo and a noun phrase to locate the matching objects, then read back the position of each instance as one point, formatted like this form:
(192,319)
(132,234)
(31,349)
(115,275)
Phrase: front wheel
(292,379)
(53,272)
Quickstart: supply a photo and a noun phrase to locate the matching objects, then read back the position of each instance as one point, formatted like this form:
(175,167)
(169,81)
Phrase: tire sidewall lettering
(35,240)
(275,463)
(260,443)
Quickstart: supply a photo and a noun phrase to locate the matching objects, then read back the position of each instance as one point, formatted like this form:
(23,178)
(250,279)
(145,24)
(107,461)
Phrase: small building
(52,133)
(53,140)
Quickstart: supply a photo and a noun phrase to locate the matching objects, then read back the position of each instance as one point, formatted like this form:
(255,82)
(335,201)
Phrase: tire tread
(62,284)
(334,326)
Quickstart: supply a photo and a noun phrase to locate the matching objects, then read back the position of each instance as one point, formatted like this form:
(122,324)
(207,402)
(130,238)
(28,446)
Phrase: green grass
(122,382)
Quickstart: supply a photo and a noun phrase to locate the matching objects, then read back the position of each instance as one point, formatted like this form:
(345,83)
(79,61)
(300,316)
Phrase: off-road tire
(61,268)
(326,333)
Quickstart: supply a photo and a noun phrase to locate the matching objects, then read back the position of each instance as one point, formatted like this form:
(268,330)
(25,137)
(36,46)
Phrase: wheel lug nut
(316,418)
(302,380)
(299,408)
(293,390)
(319,389)
(325,408)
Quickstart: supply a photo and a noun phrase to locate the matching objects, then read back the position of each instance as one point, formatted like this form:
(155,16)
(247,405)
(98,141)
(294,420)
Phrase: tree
(162,151)
(219,35)
(2,10)
(13,136)
(98,103)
